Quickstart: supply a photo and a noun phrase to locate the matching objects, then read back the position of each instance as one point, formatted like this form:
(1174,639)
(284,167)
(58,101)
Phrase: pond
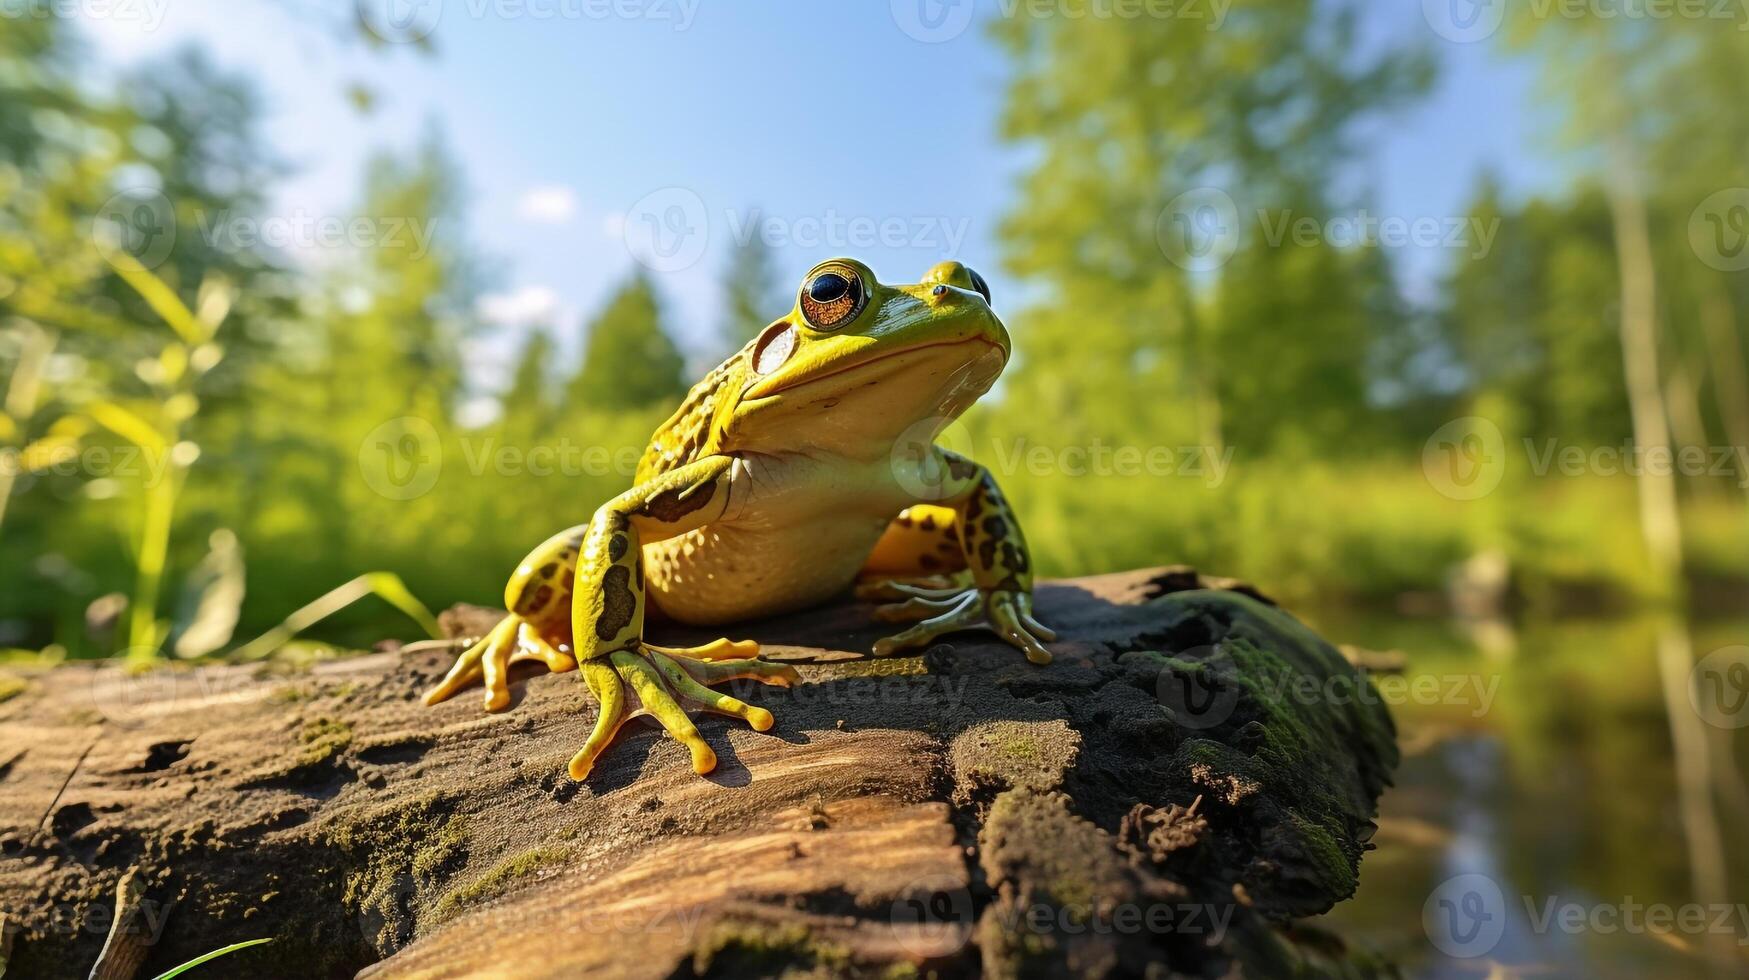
(1539,824)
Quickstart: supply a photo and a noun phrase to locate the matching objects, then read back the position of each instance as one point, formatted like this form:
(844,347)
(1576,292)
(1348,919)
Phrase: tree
(750,297)
(629,362)
(1127,117)
(528,402)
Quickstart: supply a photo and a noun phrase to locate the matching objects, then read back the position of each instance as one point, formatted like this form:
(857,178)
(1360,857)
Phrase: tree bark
(958,811)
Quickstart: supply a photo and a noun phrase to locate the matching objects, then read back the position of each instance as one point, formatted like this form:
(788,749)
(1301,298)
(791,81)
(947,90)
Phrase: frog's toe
(917,608)
(962,613)
(919,587)
(486,661)
(603,681)
(531,645)
(718,649)
(1012,621)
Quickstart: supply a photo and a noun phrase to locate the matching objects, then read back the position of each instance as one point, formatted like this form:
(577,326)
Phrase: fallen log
(1183,787)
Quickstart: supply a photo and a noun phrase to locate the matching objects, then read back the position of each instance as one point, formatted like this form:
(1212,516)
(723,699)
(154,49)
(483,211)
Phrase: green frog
(801,466)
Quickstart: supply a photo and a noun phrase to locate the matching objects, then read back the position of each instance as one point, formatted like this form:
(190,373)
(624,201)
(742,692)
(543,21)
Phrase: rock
(1171,794)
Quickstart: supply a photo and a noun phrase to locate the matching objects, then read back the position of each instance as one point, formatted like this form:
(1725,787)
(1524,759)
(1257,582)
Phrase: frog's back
(694,431)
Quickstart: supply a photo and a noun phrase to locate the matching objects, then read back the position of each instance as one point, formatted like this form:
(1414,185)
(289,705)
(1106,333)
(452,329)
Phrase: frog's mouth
(881,363)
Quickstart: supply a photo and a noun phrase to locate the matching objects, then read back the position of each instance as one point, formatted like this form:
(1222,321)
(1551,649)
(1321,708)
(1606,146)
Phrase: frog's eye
(979,284)
(832,297)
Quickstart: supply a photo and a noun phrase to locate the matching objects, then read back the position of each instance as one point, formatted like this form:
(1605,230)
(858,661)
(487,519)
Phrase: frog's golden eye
(832,297)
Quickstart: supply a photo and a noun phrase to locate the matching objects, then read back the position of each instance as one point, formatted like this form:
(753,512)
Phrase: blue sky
(571,125)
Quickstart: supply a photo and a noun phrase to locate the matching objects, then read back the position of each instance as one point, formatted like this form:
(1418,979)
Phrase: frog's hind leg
(918,557)
(539,599)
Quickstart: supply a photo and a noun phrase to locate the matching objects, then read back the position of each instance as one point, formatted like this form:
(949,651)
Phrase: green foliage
(629,362)
(273,394)
(751,296)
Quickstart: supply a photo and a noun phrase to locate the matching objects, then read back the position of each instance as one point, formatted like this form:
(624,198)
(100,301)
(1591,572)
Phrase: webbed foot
(948,610)
(660,679)
(488,661)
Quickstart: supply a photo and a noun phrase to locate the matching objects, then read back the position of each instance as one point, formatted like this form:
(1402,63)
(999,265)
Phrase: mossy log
(1177,793)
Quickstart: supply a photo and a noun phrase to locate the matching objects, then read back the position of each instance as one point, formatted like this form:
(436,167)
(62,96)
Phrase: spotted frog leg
(586,585)
(984,582)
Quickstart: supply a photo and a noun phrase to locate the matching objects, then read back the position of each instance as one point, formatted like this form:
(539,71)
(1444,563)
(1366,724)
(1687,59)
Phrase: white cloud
(550,205)
(525,305)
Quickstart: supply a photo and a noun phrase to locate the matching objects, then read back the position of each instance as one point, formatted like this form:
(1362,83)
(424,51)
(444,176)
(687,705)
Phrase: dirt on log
(1173,796)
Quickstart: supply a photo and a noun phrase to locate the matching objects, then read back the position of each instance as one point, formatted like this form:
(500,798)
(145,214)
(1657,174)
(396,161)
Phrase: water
(1537,826)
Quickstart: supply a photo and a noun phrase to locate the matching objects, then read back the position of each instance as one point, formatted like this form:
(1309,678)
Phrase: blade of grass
(386,586)
(159,296)
(215,954)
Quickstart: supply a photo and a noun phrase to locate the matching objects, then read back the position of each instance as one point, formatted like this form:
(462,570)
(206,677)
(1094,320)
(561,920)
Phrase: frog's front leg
(994,551)
(607,618)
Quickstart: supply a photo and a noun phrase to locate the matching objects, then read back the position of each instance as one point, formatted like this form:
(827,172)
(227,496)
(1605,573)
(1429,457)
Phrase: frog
(802,467)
